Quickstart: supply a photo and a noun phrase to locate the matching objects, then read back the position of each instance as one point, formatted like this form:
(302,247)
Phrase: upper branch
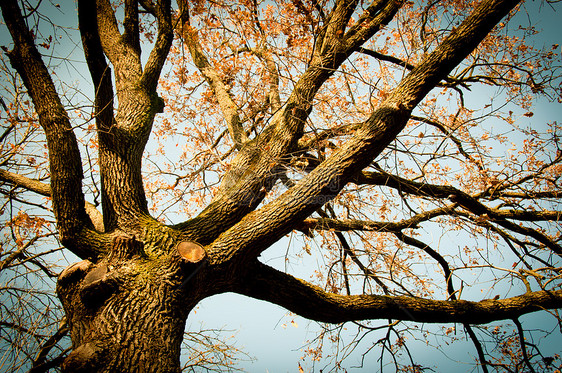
(343,225)
(131,25)
(97,65)
(259,162)
(372,19)
(64,156)
(314,303)
(260,229)
(121,51)
(335,24)
(468,202)
(219,88)
(124,135)
(159,53)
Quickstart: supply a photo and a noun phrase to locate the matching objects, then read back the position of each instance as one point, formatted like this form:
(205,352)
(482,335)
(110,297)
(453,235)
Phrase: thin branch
(39,363)
(478,346)
(224,98)
(468,202)
(349,251)
(343,225)
(523,345)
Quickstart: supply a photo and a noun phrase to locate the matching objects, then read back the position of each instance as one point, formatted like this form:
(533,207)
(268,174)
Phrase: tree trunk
(127,312)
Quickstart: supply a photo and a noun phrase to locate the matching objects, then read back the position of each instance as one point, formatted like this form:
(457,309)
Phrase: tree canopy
(392,153)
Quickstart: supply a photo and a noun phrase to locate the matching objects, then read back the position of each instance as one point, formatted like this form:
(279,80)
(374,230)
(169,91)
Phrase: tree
(346,124)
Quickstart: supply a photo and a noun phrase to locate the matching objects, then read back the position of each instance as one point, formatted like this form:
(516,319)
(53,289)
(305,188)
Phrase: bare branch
(314,303)
(39,363)
(468,202)
(45,190)
(343,225)
(33,185)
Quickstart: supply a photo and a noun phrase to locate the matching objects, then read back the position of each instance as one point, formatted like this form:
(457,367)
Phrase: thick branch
(314,303)
(123,54)
(97,65)
(123,137)
(131,25)
(33,185)
(64,156)
(256,168)
(335,25)
(103,98)
(159,53)
(373,18)
(258,230)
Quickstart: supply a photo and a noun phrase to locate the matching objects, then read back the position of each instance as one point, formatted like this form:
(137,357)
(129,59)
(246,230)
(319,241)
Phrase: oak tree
(217,129)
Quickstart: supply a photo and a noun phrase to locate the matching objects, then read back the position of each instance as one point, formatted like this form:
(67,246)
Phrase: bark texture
(128,299)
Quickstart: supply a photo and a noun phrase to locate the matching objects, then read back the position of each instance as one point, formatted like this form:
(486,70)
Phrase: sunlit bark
(127,301)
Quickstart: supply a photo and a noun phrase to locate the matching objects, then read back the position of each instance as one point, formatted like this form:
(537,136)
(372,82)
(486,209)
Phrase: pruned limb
(85,358)
(314,303)
(98,285)
(190,252)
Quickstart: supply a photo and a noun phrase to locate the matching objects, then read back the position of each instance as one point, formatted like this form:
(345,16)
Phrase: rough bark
(127,312)
(128,300)
(64,157)
(313,302)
